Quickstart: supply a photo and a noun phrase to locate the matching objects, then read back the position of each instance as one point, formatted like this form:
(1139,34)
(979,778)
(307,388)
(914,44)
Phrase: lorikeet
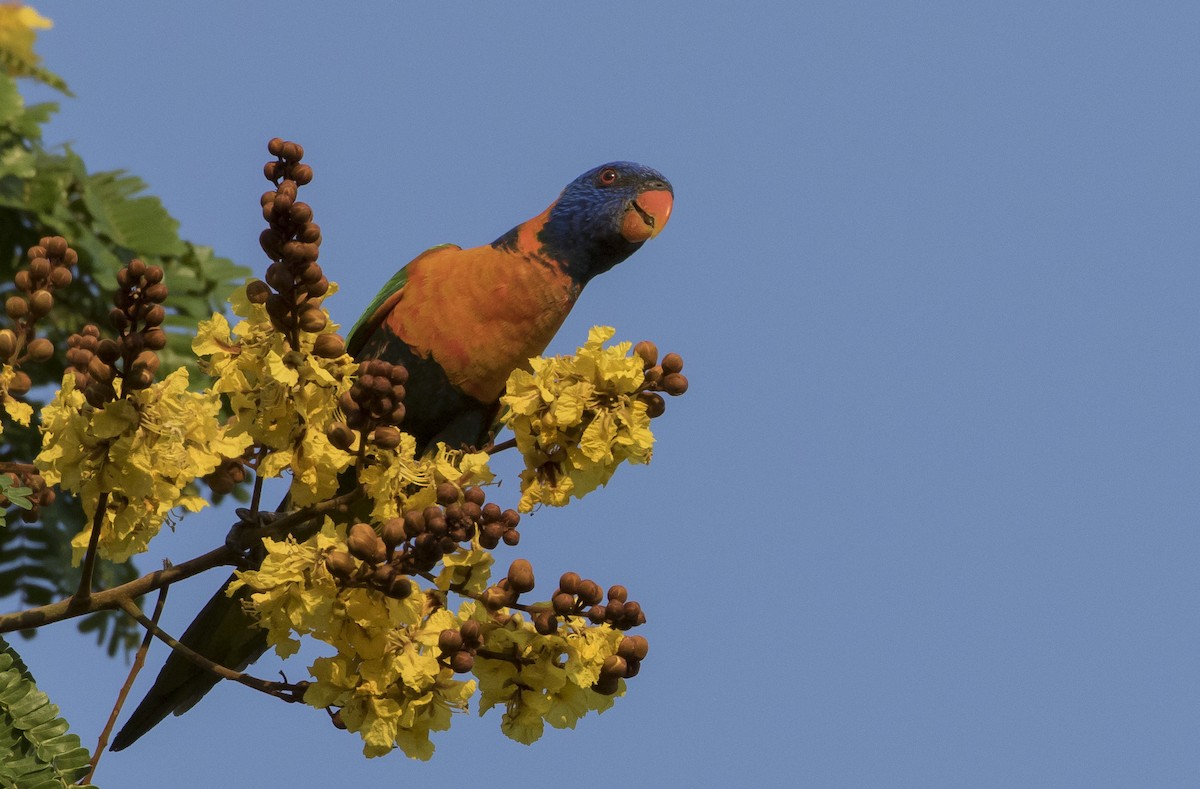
(461,320)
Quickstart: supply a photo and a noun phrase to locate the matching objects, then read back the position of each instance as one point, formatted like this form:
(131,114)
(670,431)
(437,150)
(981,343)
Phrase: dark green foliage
(36,752)
(108,221)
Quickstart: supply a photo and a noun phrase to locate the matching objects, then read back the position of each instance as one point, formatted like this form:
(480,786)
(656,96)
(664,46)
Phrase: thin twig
(280,690)
(89,559)
(139,660)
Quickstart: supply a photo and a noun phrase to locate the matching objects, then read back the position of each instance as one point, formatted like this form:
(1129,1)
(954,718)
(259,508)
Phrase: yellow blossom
(17,410)
(282,398)
(141,453)
(576,418)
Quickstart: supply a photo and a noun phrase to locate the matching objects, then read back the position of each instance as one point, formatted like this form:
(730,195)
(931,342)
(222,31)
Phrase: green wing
(383,303)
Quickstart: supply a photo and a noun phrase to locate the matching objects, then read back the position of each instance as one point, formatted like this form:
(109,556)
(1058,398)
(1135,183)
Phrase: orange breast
(482,312)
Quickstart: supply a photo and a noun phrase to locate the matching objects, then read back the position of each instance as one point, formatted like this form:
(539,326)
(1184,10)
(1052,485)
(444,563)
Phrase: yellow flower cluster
(576,418)
(396,481)
(143,451)
(17,410)
(537,686)
(281,398)
(385,677)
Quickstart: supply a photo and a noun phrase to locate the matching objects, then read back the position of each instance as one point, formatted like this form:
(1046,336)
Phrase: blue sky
(927,516)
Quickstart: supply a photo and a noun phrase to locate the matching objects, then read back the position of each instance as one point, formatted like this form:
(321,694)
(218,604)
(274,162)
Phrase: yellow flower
(576,418)
(283,399)
(141,452)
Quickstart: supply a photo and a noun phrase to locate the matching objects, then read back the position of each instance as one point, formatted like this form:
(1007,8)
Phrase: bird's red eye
(608,176)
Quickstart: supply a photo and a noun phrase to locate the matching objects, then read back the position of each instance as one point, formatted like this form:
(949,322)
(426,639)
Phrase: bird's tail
(222,632)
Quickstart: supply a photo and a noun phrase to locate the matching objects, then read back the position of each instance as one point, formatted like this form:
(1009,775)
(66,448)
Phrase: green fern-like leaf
(36,749)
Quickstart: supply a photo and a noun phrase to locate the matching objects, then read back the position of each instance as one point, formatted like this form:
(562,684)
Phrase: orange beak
(647,215)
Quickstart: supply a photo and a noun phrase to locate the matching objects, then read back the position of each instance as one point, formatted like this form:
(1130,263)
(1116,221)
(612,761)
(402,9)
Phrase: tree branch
(280,690)
(89,559)
(110,598)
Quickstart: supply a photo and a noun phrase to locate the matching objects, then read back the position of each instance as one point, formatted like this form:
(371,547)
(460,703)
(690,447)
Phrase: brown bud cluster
(431,533)
(374,405)
(49,269)
(295,284)
(459,646)
(666,376)
(137,318)
(376,571)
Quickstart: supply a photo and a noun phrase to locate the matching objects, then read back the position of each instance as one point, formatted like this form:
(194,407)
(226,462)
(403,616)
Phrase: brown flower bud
(569,582)
(589,591)
(471,631)
(627,648)
(672,363)
(563,603)
(675,384)
(511,537)
(618,592)
(607,686)
(520,576)
(654,376)
(596,614)
(8,343)
(16,307)
(447,493)
(392,532)
(41,349)
(313,319)
(140,378)
(648,351)
(364,543)
(462,662)
(20,384)
(329,346)
(56,246)
(156,293)
(155,338)
(414,524)
(386,437)
(257,291)
(155,315)
(495,598)
(614,666)
(39,268)
(656,406)
(545,622)
(449,641)
(61,277)
(23,280)
(275,146)
(303,174)
(340,564)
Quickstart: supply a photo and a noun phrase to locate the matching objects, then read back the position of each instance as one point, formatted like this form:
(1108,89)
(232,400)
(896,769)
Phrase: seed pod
(41,349)
(520,576)
(648,351)
(340,564)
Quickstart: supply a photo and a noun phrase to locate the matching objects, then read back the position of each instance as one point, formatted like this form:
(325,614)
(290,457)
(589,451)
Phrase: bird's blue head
(604,216)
